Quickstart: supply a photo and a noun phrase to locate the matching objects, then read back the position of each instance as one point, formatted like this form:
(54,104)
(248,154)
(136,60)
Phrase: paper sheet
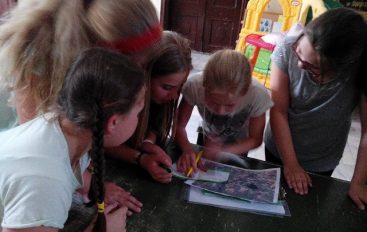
(211,175)
(197,196)
(244,184)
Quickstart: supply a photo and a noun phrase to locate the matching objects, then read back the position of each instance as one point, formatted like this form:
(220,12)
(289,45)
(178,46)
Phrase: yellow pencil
(198,156)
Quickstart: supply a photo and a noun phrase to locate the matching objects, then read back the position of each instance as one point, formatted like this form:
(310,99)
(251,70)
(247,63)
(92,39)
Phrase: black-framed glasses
(315,71)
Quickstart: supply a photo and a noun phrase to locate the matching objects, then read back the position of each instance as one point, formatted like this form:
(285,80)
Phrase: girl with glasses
(317,80)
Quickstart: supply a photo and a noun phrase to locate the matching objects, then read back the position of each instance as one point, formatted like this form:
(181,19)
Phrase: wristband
(148,141)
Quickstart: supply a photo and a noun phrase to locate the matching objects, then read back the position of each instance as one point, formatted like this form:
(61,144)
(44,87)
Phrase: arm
(151,159)
(294,174)
(187,158)
(358,188)
(113,194)
(115,219)
(255,138)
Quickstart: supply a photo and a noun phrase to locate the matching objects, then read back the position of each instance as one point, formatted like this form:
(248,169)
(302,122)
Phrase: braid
(96,192)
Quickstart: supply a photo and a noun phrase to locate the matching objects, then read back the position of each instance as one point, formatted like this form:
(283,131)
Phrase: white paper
(196,195)
(211,175)
(244,184)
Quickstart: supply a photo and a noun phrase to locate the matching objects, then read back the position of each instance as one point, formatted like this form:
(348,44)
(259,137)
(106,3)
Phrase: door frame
(165,7)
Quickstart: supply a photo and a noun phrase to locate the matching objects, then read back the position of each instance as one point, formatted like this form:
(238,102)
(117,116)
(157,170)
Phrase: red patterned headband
(136,43)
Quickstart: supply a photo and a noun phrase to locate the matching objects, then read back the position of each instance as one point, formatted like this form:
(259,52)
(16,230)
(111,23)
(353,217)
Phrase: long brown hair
(171,55)
(99,84)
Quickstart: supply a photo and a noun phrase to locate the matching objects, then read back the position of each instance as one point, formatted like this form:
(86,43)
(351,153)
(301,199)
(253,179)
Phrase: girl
(169,68)
(42,161)
(314,88)
(231,104)
(39,39)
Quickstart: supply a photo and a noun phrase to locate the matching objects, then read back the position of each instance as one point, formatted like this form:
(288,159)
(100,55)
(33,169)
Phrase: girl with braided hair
(317,80)
(42,161)
(39,39)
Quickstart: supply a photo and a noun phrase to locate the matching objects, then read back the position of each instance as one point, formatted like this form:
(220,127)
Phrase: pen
(198,156)
(165,168)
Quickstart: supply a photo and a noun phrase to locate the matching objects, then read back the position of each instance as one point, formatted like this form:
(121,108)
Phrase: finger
(134,200)
(187,165)
(133,207)
(202,167)
(111,207)
(163,178)
(129,213)
(180,164)
(193,163)
(298,185)
(124,210)
(358,202)
(166,160)
(304,186)
(130,202)
(309,180)
(289,181)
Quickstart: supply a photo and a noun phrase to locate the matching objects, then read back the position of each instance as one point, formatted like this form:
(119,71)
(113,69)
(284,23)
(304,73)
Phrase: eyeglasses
(315,71)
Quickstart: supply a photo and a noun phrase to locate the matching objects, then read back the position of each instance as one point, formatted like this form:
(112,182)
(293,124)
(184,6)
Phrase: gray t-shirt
(319,116)
(230,128)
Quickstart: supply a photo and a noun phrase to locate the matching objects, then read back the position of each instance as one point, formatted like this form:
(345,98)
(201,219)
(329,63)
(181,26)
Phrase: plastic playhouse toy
(257,50)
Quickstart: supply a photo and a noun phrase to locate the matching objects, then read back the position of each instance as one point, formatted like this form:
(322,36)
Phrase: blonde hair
(40,39)
(227,70)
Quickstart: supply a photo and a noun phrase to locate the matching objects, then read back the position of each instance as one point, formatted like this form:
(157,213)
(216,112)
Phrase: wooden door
(209,24)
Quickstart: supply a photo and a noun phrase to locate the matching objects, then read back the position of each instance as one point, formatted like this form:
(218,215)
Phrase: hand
(151,161)
(186,161)
(115,218)
(358,193)
(297,179)
(117,194)
(212,147)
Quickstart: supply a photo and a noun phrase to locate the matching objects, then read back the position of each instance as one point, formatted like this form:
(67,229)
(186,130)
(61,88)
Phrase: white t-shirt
(36,177)
(234,126)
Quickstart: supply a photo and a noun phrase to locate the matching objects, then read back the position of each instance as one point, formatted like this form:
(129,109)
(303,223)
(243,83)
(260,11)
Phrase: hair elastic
(136,43)
(100,207)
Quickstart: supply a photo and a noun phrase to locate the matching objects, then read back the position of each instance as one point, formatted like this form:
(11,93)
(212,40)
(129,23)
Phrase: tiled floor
(346,166)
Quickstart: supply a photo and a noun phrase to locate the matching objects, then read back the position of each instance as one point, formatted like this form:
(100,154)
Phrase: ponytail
(96,191)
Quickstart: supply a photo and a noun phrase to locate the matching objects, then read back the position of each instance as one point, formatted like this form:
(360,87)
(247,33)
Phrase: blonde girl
(39,39)
(231,104)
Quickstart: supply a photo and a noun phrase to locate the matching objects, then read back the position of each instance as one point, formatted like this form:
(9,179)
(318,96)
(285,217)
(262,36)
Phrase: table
(326,207)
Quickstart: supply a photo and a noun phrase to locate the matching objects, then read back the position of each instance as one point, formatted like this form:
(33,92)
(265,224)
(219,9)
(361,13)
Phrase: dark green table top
(325,208)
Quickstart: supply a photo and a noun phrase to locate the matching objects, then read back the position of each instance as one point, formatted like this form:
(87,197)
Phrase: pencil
(198,156)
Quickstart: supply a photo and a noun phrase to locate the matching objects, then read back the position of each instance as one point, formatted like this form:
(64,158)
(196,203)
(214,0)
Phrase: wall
(157,4)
